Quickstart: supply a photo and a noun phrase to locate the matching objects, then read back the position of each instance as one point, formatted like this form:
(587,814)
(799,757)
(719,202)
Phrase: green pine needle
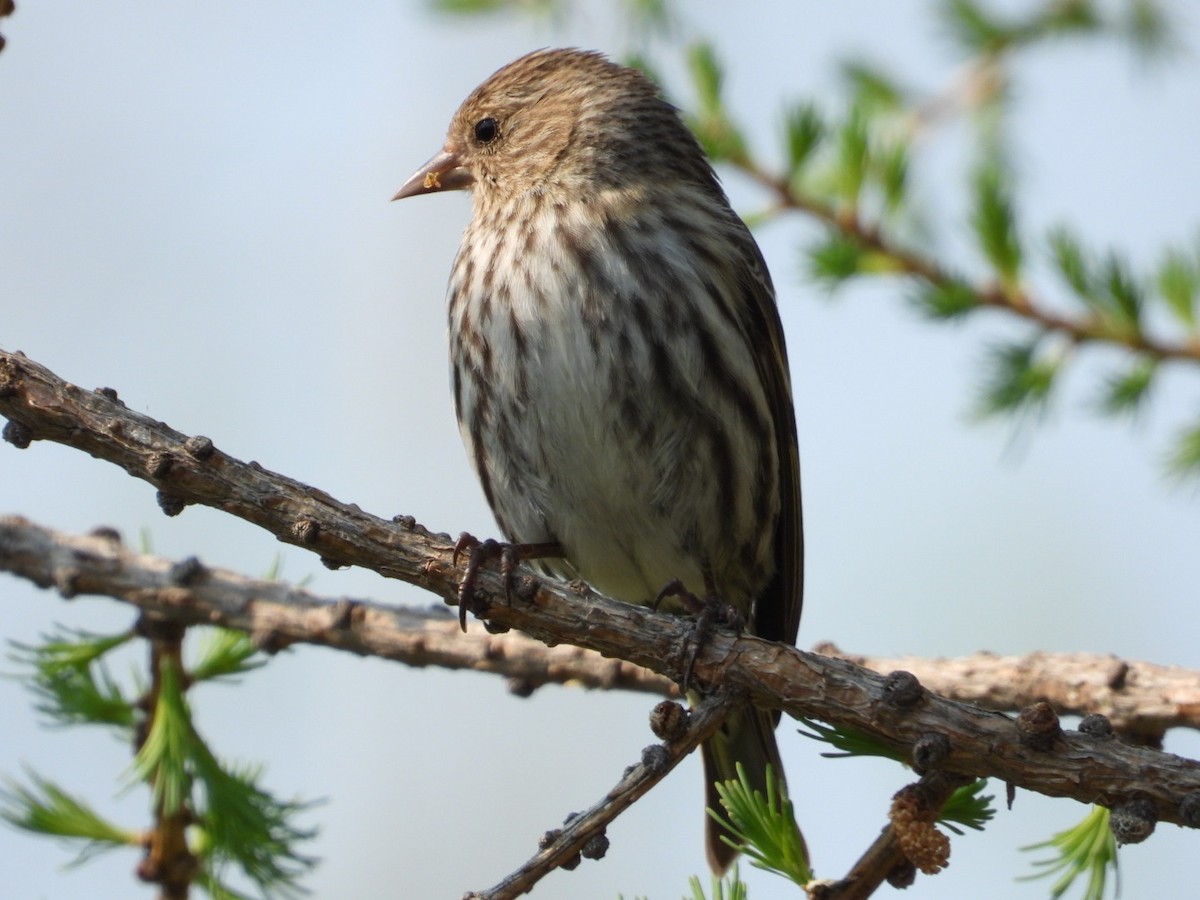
(646,67)
(217,889)
(1019,380)
(1088,848)
(764,827)
(247,826)
(235,821)
(1184,461)
(1073,263)
(45,808)
(476,7)
(853,156)
(1065,18)
(971,27)
(1124,294)
(1126,392)
(849,741)
(240,822)
(969,807)
(708,77)
(872,86)
(162,760)
(71,648)
(1149,29)
(719,137)
(1179,284)
(946,300)
(890,168)
(70,681)
(731,887)
(805,130)
(994,221)
(1110,288)
(834,260)
(1141,22)
(223,654)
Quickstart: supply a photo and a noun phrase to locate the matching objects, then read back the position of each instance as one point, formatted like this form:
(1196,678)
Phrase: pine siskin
(619,370)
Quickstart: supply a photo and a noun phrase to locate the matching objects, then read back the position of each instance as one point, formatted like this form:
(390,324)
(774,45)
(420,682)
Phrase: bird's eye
(486,130)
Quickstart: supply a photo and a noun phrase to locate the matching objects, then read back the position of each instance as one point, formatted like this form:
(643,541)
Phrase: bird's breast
(582,364)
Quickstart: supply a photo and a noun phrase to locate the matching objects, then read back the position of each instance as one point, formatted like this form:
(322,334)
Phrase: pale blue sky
(195,212)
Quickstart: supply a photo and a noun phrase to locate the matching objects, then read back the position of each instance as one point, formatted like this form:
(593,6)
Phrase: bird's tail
(747,736)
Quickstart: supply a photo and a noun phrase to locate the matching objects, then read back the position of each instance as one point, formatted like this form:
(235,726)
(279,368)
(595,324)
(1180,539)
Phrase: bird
(618,363)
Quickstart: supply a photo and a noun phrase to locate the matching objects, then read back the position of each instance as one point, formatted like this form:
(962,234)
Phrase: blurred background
(195,212)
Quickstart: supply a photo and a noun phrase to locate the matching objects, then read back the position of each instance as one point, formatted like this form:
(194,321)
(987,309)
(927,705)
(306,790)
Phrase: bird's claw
(477,552)
(707,612)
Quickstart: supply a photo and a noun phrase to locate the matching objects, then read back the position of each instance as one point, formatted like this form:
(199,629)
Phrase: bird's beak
(442,173)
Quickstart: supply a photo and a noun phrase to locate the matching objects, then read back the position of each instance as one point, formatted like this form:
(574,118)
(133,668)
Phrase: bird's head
(560,120)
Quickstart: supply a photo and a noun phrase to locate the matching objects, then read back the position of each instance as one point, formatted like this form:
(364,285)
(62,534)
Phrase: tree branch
(1139,698)
(1079,328)
(982,744)
(583,834)
(276,614)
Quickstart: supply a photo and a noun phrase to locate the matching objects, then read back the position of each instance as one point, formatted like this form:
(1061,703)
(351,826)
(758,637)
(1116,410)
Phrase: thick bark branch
(1139,698)
(276,614)
(190,470)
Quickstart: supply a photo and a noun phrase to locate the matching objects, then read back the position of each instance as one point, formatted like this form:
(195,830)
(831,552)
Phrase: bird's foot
(708,612)
(477,553)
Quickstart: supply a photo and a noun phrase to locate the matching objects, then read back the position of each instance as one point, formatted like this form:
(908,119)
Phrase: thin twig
(584,833)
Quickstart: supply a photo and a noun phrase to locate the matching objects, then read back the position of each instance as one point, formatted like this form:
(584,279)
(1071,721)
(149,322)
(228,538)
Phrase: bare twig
(584,833)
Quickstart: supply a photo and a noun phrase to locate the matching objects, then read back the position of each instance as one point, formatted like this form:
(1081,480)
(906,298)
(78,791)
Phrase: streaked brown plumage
(618,363)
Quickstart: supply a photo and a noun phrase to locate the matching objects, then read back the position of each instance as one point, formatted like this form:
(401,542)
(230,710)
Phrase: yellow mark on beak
(431,182)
